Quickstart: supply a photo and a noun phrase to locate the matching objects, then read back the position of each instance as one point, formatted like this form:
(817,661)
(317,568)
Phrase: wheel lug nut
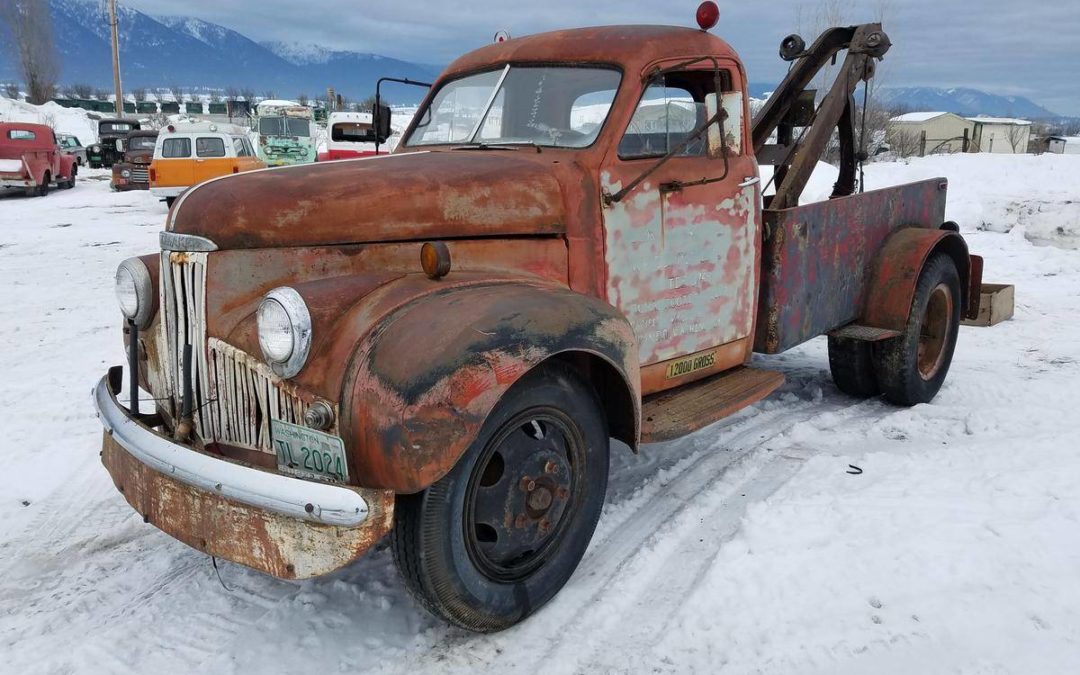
(550,467)
(562,493)
(519,522)
(545,525)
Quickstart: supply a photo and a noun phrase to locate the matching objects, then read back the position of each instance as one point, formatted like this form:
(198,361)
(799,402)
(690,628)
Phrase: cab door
(682,246)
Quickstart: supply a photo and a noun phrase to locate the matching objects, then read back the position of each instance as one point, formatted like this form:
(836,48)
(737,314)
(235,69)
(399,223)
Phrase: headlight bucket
(284,328)
(135,292)
(125,173)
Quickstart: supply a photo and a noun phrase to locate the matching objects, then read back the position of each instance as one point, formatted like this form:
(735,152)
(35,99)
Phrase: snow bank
(75,121)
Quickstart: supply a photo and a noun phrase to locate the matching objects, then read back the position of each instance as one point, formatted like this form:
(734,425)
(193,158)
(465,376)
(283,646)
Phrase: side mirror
(381,116)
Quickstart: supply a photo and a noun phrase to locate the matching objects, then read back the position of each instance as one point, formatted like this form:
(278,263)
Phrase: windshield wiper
(484,146)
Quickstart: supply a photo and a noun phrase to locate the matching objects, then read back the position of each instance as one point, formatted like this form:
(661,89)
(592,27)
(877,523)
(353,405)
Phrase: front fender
(899,264)
(421,383)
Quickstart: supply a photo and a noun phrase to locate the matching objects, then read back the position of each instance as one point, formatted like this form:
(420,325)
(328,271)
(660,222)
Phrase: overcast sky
(1025,47)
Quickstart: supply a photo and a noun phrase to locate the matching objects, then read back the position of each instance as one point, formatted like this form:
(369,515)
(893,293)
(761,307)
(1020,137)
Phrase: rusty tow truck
(569,245)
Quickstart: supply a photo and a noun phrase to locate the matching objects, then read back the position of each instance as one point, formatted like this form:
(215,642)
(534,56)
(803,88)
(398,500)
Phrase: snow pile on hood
(74,121)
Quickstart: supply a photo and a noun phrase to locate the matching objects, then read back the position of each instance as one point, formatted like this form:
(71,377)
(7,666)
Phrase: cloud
(1027,48)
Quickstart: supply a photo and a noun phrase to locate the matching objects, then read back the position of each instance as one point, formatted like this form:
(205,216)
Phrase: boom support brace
(795,158)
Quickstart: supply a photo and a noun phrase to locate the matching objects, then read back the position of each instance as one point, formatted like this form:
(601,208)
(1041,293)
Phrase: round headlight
(284,327)
(125,173)
(135,291)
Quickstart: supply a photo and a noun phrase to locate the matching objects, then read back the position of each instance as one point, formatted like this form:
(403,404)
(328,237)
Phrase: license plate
(309,453)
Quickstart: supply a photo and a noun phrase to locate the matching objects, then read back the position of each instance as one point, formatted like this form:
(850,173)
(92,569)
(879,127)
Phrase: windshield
(284,126)
(69,142)
(352,132)
(141,143)
(559,106)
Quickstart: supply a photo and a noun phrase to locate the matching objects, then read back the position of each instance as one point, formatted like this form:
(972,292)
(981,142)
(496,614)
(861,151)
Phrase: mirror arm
(378,100)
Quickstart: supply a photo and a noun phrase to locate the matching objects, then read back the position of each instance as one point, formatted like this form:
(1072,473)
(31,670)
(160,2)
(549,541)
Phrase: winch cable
(862,135)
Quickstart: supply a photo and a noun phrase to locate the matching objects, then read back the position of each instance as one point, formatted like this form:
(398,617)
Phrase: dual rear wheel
(910,368)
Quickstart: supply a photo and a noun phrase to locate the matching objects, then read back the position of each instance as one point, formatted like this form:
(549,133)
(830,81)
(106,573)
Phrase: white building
(1000,135)
(928,133)
(1063,145)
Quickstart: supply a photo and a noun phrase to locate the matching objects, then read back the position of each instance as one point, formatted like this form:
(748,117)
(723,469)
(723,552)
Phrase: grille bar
(236,394)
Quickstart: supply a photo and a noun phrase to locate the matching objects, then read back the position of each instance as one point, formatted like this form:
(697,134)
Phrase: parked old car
(104,152)
(70,145)
(188,154)
(31,159)
(133,173)
(571,243)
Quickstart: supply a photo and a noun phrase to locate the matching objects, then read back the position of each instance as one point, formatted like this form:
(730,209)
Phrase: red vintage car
(31,160)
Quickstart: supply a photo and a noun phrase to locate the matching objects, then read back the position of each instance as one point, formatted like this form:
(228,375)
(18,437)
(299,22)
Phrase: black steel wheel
(912,367)
(497,537)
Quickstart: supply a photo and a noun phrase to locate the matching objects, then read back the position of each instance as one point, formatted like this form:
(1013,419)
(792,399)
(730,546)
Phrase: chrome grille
(235,395)
(140,175)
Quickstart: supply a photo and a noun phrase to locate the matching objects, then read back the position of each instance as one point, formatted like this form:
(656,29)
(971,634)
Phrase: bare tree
(139,94)
(11,90)
(268,94)
(231,93)
(101,94)
(248,93)
(1017,135)
(82,90)
(302,99)
(30,28)
(177,93)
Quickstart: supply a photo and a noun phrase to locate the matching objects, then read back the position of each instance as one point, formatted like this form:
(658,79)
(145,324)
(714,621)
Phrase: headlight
(284,326)
(125,174)
(95,148)
(135,292)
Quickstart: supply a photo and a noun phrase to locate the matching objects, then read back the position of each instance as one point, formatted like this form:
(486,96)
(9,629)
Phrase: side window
(21,135)
(239,147)
(247,147)
(209,146)
(176,148)
(671,109)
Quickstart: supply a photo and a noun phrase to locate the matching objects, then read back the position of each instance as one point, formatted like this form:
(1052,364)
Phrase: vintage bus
(285,133)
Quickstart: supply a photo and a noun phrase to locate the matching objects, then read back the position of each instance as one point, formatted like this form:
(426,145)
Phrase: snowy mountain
(962,101)
(189,52)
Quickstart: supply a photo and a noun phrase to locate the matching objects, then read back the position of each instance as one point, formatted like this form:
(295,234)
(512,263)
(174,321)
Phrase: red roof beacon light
(707,14)
(501,36)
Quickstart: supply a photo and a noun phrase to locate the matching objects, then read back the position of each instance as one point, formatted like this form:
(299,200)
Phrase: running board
(677,412)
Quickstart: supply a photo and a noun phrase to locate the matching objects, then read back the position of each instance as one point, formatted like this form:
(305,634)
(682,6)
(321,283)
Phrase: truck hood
(403,197)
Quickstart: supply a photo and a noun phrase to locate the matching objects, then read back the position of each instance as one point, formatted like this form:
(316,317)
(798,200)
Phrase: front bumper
(284,526)
(165,192)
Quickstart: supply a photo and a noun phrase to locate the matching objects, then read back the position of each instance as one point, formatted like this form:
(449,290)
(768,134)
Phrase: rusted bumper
(284,526)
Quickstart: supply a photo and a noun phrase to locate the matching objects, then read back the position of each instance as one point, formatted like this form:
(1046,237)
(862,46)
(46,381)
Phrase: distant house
(1063,145)
(1001,135)
(927,133)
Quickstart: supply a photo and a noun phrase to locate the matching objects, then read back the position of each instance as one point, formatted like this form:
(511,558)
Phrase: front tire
(912,367)
(498,536)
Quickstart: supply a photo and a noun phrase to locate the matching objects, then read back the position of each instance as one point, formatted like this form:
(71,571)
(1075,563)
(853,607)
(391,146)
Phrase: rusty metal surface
(421,384)
(897,273)
(274,544)
(819,260)
(386,198)
(677,412)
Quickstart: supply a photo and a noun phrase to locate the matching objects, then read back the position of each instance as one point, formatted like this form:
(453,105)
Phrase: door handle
(747,182)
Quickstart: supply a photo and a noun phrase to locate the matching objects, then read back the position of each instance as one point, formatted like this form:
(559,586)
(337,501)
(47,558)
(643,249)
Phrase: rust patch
(271,543)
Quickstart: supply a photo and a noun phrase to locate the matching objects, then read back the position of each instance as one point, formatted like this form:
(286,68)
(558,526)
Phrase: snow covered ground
(746,547)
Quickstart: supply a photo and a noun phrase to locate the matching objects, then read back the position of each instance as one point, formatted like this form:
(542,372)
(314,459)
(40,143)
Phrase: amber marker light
(435,259)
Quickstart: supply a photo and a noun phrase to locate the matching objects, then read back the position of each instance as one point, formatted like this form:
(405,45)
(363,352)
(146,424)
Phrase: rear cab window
(176,148)
(209,146)
(21,135)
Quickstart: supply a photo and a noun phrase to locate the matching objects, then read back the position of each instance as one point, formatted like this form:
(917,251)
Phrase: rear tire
(498,536)
(43,189)
(852,366)
(912,367)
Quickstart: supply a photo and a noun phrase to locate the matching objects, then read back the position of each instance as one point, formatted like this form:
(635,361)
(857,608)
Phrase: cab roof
(632,47)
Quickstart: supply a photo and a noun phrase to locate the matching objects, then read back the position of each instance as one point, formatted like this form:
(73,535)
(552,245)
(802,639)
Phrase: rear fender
(421,383)
(899,264)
